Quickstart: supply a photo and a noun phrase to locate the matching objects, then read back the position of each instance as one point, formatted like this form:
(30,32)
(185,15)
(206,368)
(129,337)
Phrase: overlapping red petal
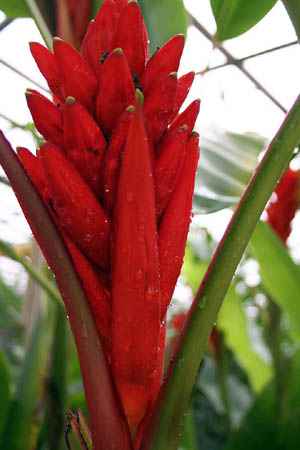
(136,321)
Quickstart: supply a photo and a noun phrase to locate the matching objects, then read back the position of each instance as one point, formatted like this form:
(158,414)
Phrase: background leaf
(225,167)
(233,322)
(4,391)
(261,428)
(15,8)
(234,17)
(280,275)
(163,20)
(20,432)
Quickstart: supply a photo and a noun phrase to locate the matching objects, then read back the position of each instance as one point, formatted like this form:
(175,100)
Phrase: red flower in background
(117,175)
(282,210)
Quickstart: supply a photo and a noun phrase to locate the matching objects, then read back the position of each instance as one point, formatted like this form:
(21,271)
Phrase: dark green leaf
(163,19)
(4,392)
(263,428)
(15,8)
(57,380)
(234,17)
(280,275)
(19,432)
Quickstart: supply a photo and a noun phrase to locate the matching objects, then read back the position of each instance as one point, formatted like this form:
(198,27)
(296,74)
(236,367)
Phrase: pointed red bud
(116,90)
(112,160)
(163,62)
(168,163)
(187,117)
(135,323)
(46,63)
(46,117)
(131,36)
(159,106)
(79,211)
(100,33)
(84,142)
(184,84)
(175,223)
(121,4)
(79,80)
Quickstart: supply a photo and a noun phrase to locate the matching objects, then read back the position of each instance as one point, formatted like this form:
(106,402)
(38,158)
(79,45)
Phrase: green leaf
(280,275)
(226,164)
(163,20)
(235,17)
(4,392)
(233,322)
(15,8)
(261,428)
(57,380)
(20,431)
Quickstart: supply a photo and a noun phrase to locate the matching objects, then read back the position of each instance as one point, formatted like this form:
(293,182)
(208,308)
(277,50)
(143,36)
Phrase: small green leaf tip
(130,108)
(118,51)
(173,74)
(28,92)
(194,134)
(70,100)
(133,1)
(184,127)
(139,97)
(56,40)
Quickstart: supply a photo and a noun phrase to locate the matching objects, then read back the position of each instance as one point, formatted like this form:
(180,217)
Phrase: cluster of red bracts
(282,209)
(117,175)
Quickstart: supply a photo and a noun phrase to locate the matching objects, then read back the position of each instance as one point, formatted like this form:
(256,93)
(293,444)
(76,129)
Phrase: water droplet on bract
(84,332)
(88,237)
(202,302)
(129,196)
(139,275)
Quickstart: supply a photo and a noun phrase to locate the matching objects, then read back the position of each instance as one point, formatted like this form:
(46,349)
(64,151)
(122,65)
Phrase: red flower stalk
(117,175)
(282,210)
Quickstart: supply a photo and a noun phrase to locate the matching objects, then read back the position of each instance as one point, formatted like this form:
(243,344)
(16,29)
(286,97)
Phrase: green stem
(40,22)
(166,421)
(293,10)
(101,397)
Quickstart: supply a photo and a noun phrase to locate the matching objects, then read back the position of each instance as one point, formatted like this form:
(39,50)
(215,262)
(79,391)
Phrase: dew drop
(129,196)
(88,237)
(202,302)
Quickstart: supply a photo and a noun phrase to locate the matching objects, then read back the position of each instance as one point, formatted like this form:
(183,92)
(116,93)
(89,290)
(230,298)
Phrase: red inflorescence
(117,174)
(282,209)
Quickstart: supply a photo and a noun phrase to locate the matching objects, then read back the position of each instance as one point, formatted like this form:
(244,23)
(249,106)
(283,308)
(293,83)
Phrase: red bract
(282,209)
(117,175)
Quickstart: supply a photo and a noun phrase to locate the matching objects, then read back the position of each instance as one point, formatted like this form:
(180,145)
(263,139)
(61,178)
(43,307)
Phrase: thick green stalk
(102,401)
(293,10)
(166,421)
(40,22)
